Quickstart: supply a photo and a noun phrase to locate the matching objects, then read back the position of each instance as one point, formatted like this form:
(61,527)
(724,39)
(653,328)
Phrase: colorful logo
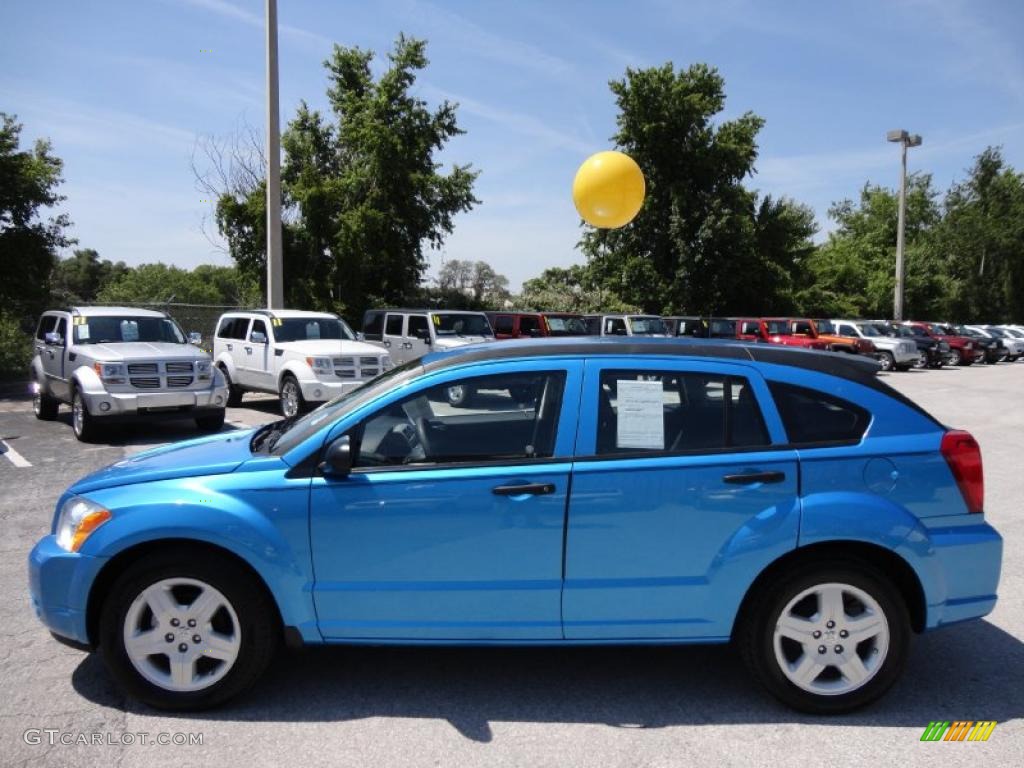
(959,730)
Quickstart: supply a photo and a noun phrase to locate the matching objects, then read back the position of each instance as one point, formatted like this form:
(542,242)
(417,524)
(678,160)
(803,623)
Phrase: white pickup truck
(303,357)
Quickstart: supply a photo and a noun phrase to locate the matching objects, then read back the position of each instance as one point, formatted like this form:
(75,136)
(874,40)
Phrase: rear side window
(373,325)
(673,412)
(813,417)
(503,324)
(233,327)
(394,325)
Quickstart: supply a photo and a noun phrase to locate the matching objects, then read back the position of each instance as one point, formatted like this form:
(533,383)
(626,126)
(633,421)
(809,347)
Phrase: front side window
(528,325)
(810,416)
(112,330)
(419,327)
(672,412)
(62,329)
(503,324)
(258,326)
(777,327)
(46,325)
(512,417)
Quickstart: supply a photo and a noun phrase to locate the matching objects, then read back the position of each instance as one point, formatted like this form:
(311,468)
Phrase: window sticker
(437,320)
(640,415)
(83,331)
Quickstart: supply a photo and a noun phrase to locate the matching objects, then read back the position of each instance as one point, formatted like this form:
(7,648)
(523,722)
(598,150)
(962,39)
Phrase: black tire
(290,388)
(211,422)
(234,393)
(259,629)
(459,396)
(44,407)
(83,423)
(755,635)
(887,359)
(956,357)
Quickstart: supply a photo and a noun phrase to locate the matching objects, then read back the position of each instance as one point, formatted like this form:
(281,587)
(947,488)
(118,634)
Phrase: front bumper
(321,391)
(109,404)
(59,583)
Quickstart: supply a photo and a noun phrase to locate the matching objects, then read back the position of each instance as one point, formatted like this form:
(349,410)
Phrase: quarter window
(481,419)
(812,417)
(672,412)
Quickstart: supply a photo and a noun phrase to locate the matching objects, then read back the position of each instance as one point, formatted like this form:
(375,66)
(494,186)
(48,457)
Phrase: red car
(789,333)
(519,325)
(962,350)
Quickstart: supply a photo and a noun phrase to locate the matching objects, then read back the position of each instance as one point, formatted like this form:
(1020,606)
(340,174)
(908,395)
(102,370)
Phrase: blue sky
(123,89)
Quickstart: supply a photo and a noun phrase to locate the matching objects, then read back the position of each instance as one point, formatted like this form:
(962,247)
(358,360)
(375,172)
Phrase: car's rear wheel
(234,393)
(83,423)
(211,422)
(887,360)
(828,639)
(292,401)
(44,407)
(180,631)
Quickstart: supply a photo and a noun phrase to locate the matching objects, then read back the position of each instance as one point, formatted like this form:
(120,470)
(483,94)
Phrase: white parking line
(16,458)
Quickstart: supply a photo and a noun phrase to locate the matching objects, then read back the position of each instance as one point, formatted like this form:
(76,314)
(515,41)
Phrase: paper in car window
(83,332)
(641,415)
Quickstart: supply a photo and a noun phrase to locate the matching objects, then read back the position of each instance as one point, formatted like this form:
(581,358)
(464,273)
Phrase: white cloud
(231,11)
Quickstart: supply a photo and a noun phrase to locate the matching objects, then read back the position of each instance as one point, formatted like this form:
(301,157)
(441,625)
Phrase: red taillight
(963,454)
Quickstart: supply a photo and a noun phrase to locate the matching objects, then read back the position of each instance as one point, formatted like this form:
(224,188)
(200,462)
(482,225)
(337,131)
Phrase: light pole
(905,140)
(275,270)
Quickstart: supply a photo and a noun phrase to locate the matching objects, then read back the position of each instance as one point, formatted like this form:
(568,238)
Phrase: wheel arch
(127,557)
(900,573)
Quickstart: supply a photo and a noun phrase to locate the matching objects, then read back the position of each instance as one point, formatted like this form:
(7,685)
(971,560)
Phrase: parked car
(686,325)
(625,325)
(893,353)
(934,351)
(837,342)
(515,325)
(987,348)
(1012,332)
(302,357)
(1009,347)
(780,330)
(116,363)
(962,349)
(411,333)
(380,518)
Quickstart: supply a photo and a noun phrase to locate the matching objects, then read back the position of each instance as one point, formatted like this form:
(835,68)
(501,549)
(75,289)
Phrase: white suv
(411,333)
(303,357)
(893,353)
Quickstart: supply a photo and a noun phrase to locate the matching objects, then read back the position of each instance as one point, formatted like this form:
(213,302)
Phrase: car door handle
(387,343)
(248,350)
(533,489)
(749,478)
(229,346)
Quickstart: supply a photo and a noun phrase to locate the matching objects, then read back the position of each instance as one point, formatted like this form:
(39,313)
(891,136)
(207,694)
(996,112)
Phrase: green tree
(701,243)
(79,278)
(981,239)
(29,241)
(571,289)
(362,196)
(478,280)
(159,284)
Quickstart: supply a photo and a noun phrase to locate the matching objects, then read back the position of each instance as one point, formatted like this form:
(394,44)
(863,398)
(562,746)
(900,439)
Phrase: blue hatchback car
(591,491)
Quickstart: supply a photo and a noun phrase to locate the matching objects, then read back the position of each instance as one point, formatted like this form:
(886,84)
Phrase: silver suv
(118,362)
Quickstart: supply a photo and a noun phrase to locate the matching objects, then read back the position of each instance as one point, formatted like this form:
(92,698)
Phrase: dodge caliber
(646,491)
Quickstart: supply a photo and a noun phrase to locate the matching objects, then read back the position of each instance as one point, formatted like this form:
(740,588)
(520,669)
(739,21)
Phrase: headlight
(111,373)
(78,518)
(386,364)
(203,369)
(320,364)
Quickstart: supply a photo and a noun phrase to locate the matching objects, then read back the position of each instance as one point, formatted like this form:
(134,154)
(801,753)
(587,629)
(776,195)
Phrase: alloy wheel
(289,398)
(831,639)
(182,635)
(77,414)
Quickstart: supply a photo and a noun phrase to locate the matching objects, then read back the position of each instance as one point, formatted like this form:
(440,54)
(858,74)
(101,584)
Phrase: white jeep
(302,357)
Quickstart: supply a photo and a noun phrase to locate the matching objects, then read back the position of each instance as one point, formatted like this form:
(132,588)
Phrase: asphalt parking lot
(538,707)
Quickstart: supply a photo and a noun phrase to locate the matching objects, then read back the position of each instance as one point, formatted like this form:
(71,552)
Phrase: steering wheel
(420,425)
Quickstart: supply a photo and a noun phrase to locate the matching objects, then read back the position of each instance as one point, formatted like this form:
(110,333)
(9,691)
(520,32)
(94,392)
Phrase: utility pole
(905,140)
(275,268)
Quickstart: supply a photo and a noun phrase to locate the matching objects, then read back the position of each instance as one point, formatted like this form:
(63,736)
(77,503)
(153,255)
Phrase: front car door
(257,355)
(450,525)
(394,337)
(419,336)
(682,492)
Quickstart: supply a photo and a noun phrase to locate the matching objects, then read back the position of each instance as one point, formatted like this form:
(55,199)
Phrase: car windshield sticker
(640,415)
(129,330)
(83,331)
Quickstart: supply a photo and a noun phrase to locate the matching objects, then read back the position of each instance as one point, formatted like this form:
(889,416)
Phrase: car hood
(450,342)
(213,455)
(142,350)
(329,347)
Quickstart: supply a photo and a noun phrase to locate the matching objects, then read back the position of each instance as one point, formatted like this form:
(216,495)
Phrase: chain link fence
(199,318)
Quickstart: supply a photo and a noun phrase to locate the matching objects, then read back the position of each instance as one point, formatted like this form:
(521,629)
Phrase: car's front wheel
(956,357)
(180,631)
(887,360)
(828,639)
(292,401)
(82,422)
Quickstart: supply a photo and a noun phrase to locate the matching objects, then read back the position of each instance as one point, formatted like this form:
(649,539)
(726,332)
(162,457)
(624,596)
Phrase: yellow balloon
(608,190)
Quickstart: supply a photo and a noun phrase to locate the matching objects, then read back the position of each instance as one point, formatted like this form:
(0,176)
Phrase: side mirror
(337,461)
(423,334)
(196,338)
(257,337)
(53,339)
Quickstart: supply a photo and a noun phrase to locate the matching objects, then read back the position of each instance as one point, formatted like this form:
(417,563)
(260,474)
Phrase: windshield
(560,325)
(868,329)
(778,327)
(959,330)
(294,432)
(646,326)
(126,328)
(825,326)
(311,328)
(461,324)
(996,333)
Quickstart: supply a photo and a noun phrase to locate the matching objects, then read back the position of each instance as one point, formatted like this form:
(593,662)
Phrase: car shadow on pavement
(971,672)
(144,434)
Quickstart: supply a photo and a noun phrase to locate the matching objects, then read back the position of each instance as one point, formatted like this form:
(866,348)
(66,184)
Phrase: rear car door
(683,491)
(450,525)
